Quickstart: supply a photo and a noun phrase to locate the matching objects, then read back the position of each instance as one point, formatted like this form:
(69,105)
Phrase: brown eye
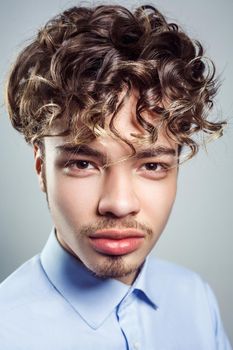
(82,164)
(152,166)
(79,164)
(154,170)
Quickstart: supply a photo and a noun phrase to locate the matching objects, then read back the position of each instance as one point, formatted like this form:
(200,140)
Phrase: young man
(110,101)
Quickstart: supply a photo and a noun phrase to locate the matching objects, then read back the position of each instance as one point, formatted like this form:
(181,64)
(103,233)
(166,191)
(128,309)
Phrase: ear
(39,166)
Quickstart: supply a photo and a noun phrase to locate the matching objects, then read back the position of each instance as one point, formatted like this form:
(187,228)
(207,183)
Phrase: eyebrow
(140,154)
(82,150)
(156,152)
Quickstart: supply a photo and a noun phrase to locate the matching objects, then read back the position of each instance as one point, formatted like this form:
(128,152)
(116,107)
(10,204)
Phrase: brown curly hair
(82,60)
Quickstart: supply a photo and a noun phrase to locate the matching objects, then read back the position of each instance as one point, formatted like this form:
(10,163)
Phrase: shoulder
(23,285)
(168,268)
(26,301)
(183,293)
(176,285)
(171,272)
(184,285)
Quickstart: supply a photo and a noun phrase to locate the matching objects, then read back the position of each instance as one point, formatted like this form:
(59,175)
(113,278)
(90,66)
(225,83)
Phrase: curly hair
(83,59)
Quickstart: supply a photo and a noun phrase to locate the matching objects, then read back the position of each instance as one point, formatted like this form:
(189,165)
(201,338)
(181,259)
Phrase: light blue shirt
(53,302)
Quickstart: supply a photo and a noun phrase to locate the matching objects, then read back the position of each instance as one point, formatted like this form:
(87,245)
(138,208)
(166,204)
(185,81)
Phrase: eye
(154,166)
(154,170)
(80,164)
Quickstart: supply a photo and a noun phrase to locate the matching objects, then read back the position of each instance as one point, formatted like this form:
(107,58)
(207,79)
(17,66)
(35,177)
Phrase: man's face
(110,217)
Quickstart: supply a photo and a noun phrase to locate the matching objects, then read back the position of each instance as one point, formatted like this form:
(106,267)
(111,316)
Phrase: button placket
(129,322)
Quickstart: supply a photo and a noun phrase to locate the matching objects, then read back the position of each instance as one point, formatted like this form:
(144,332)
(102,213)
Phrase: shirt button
(136,346)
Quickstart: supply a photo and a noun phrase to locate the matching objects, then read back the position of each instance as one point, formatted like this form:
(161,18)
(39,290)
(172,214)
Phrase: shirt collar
(144,286)
(93,298)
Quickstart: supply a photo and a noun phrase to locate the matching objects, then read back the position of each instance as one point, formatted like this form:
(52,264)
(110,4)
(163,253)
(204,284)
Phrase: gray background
(199,233)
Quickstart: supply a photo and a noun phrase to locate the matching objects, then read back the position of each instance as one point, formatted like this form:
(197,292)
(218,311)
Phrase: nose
(118,197)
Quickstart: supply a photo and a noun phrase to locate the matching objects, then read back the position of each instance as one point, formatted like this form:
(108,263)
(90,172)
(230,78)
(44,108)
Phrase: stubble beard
(115,266)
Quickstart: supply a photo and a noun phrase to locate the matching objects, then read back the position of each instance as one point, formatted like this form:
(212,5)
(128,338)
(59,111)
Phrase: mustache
(121,224)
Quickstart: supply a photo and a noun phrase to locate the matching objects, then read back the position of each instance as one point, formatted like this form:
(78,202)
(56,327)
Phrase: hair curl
(82,60)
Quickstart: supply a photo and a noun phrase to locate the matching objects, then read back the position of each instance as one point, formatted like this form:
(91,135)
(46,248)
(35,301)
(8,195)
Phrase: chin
(114,266)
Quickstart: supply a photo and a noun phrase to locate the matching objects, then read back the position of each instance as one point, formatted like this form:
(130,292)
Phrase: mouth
(116,242)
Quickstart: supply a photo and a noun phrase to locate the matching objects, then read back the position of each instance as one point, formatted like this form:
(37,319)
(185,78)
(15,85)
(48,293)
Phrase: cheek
(157,200)
(72,199)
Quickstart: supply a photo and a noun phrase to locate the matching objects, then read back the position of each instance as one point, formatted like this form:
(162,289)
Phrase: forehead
(128,131)
(110,151)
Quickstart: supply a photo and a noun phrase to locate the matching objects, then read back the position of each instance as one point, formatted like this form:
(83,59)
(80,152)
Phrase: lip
(117,233)
(116,242)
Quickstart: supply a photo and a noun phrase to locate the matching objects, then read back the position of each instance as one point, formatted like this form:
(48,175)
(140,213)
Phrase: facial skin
(91,203)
